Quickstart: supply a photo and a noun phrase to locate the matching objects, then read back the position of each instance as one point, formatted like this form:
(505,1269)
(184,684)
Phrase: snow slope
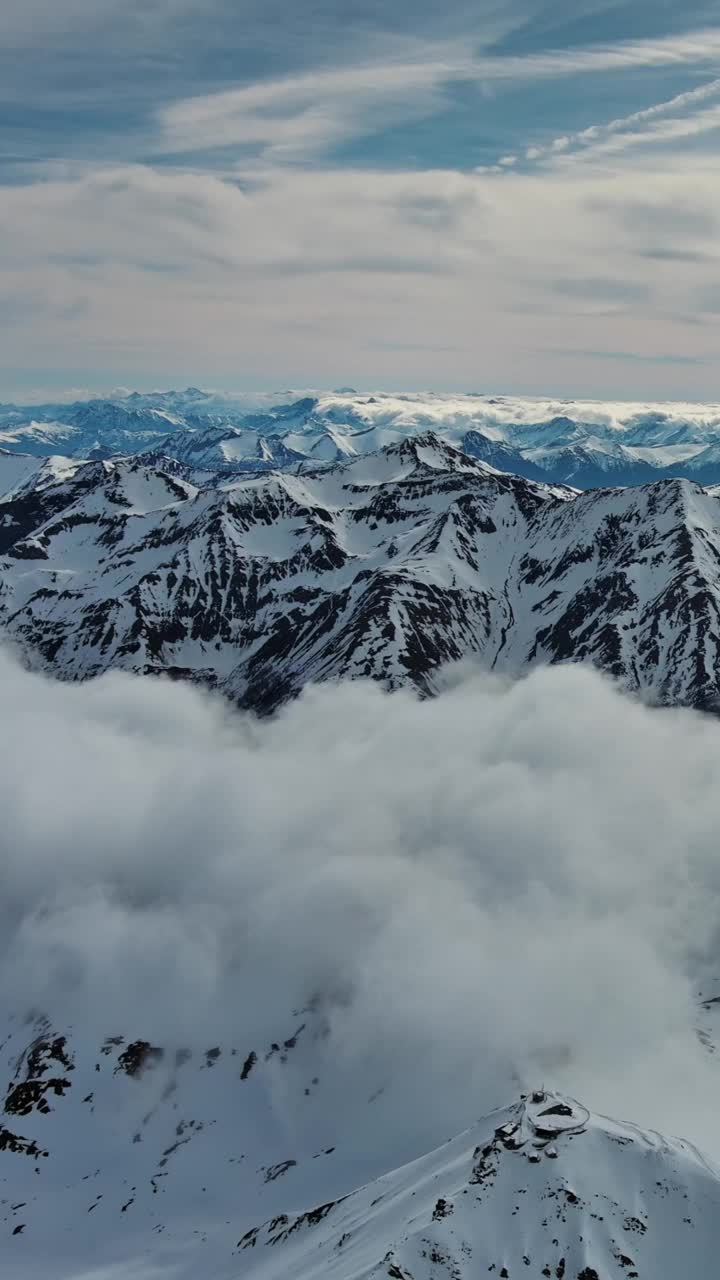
(14,469)
(232,1161)
(540,1189)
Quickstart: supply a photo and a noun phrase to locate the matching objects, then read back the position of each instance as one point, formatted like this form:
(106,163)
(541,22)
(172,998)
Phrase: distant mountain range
(384,566)
(584,444)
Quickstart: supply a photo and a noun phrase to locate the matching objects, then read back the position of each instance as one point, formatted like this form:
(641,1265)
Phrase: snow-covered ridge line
(385,566)
(540,1188)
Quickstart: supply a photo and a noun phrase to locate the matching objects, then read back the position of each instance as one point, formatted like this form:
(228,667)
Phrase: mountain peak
(431,452)
(540,1188)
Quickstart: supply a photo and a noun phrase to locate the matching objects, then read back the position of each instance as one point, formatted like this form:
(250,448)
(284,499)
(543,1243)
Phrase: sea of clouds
(514,882)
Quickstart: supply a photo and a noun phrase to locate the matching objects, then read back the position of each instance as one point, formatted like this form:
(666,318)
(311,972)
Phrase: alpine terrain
(360,737)
(231,1163)
(384,566)
(587,444)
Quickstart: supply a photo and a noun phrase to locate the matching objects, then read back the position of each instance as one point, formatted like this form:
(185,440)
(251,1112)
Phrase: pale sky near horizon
(516,196)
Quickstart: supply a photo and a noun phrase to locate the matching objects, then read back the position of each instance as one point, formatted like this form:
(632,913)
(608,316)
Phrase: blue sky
(517,196)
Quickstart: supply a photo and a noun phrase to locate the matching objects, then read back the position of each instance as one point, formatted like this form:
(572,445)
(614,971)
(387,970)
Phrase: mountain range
(256,547)
(386,566)
(586,444)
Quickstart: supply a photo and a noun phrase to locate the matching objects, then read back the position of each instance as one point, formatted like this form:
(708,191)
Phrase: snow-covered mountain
(228,449)
(587,444)
(254,549)
(96,428)
(15,468)
(386,566)
(539,1188)
(233,1161)
(40,438)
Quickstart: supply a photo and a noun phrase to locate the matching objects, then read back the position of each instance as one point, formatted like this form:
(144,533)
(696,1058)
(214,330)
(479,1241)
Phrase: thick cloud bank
(510,883)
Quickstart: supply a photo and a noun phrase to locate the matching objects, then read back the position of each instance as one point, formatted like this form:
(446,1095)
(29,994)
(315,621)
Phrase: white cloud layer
(249,246)
(296,117)
(512,882)
(327,276)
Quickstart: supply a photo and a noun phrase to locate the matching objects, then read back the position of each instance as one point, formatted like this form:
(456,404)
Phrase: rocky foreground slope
(386,567)
(232,1161)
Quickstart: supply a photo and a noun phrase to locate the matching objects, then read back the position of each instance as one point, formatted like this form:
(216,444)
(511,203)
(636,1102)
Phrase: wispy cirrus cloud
(638,127)
(657,133)
(300,116)
(700,47)
(297,116)
(192,190)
